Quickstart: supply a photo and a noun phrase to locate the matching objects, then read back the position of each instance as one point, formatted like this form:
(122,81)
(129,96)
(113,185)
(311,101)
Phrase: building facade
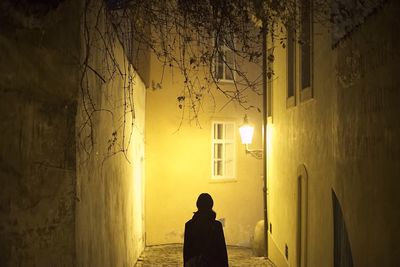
(333,156)
(185,158)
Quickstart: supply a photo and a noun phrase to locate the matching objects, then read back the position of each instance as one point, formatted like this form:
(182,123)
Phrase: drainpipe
(264,120)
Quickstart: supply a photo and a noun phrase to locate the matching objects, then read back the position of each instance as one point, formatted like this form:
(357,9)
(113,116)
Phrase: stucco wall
(110,153)
(302,134)
(37,155)
(60,206)
(109,211)
(367,152)
(178,164)
(345,136)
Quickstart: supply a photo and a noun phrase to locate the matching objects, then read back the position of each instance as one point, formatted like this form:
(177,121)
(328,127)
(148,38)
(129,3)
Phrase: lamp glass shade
(246,134)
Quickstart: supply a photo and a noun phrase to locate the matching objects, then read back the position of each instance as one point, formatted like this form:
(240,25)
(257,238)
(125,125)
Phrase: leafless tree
(190,36)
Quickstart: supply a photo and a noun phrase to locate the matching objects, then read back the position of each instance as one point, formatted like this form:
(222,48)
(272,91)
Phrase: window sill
(290,102)
(226,81)
(306,94)
(222,180)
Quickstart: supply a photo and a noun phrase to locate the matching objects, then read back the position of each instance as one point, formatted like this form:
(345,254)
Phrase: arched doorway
(302,203)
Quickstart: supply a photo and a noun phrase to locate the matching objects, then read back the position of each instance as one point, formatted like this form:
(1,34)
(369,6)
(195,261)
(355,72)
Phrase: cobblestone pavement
(171,256)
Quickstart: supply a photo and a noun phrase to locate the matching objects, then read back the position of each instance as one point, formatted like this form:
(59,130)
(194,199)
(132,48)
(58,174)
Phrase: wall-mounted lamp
(246,134)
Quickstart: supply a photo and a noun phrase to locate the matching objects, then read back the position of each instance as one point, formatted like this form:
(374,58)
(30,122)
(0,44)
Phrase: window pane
(228,73)
(218,153)
(229,150)
(218,131)
(229,65)
(229,58)
(224,62)
(229,131)
(290,62)
(229,168)
(229,156)
(218,168)
(305,45)
(219,72)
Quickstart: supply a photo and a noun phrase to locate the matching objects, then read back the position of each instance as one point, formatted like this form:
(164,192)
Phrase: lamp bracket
(257,153)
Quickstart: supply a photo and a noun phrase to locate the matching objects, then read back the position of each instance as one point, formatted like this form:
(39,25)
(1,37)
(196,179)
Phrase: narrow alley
(117,115)
(171,256)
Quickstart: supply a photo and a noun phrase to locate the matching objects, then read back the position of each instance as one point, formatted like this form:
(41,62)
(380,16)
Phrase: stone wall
(37,146)
(62,204)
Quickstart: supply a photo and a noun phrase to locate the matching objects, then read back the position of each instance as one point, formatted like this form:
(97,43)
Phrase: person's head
(204,202)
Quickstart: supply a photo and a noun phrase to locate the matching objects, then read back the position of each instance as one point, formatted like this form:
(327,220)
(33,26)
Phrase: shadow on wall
(341,248)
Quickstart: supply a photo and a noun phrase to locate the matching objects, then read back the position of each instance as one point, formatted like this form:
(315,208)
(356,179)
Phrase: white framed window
(225,59)
(291,68)
(306,46)
(300,56)
(223,150)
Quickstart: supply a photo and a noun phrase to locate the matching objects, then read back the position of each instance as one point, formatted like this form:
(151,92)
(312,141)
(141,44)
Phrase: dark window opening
(305,40)
(342,255)
(291,62)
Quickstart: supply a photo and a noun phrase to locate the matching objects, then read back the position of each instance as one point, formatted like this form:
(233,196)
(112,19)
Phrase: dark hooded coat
(204,237)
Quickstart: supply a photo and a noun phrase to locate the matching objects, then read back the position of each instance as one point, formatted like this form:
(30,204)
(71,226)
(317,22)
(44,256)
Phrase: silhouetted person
(204,243)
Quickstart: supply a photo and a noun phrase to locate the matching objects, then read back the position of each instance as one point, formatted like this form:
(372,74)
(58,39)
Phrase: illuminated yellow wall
(178,166)
(110,187)
(110,172)
(345,136)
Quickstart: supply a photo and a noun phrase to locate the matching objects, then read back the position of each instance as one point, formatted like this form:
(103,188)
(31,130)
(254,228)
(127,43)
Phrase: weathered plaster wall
(178,165)
(367,153)
(346,137)
(58,205)
(109,211)
(37,155)
(110,165)
(302,134)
